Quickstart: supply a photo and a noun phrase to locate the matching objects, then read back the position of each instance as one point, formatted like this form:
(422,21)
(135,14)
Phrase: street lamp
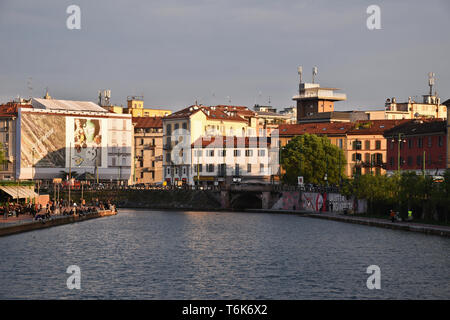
(399,141)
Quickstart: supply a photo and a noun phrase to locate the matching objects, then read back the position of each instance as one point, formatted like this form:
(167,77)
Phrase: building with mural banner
(55,137)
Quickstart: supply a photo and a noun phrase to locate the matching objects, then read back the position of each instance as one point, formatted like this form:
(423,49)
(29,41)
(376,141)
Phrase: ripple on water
(141,254)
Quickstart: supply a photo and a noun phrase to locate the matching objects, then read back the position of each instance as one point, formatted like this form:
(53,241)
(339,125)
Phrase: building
(291,112)
(185,127)
(52,137)
(312,99)
(225,160)
(148,148)
(335,116)
(135,107)
(366,149)
(429,107)
(418,145)
(269,119)
(362,142)
(447,104)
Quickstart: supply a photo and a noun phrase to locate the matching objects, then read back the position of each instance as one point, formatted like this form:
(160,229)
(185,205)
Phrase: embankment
(56,221)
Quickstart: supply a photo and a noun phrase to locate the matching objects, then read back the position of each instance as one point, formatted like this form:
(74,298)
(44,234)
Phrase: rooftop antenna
(269,100)
(30,86)
(314,73)
(300,73)
(431,82)
(99,98)
(229,99)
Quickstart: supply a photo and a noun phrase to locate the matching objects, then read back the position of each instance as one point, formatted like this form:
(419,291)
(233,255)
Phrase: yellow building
(135,107)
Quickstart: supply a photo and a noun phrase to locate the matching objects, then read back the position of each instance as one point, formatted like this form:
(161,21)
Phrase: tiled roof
(147,122)
(326,128)
(374,126)
(418,127)
(225,113)
(70,105)
(10,109)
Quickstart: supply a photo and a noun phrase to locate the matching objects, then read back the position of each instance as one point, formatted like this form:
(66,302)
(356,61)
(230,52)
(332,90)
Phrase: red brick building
(422,145)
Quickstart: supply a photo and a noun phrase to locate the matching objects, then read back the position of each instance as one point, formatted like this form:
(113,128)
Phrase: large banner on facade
(85,137)
(43,141)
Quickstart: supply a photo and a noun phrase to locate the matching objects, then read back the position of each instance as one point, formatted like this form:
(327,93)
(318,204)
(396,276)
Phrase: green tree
(312,157)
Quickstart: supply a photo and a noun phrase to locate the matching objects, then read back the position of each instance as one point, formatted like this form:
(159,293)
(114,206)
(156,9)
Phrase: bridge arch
(246,200)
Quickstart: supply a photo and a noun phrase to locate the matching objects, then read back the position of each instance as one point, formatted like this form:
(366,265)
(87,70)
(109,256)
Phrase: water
(141,254)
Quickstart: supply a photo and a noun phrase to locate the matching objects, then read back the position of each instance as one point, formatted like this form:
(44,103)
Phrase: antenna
(431,82)
(269,100)
(300,73)
(30,86)
(314,73)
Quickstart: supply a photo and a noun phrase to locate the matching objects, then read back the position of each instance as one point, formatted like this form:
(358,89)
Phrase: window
(198,168)
(168,157)
(356,145)
(222,153)
(261,153)
(168,129)
(142,142)
(419,160)
(261,167)
(142,175)
(419,142)
(184,125)
(113,159)
(210,167)
(340,143)
(367,157)
(391,145)
(184,170)
(236,169)
(210,153)
(248,153)
(356,157)
(379,159)
(198,153)
(153,164)
(410,161)
(391,161)
(176,126)
(249,168)
(377,144)
(430,142)
(410,143)
(440,141)
(367,145)
(168,171)
(237,153)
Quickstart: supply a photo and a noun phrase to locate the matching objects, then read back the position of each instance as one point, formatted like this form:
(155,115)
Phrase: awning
(19,192)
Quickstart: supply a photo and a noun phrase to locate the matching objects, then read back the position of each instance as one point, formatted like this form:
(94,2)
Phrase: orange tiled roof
(147,122)
(327,128)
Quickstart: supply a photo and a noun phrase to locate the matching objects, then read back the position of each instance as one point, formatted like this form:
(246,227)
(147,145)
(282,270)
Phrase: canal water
(142,254)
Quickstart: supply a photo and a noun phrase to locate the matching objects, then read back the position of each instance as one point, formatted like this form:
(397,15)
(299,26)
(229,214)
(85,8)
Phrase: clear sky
(213,51)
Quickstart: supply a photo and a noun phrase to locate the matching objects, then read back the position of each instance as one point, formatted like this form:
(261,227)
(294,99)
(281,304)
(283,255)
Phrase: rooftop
(147,122)
(69,105)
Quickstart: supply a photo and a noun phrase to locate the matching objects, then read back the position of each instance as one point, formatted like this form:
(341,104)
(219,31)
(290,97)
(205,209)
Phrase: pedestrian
(392,214)
(331,206)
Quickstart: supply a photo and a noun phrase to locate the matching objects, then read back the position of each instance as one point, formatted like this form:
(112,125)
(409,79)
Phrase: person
(410,217)
(331,206)
(392,215)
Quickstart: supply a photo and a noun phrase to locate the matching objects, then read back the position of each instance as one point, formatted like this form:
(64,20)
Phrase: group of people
(395,216)
(39,211)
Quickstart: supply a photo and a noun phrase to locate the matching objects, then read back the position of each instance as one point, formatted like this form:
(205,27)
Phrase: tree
(312,157)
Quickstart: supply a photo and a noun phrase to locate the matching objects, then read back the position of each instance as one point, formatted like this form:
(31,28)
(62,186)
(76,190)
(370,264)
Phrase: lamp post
(399,141)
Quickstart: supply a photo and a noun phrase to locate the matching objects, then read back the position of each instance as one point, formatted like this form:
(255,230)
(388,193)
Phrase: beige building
(201,121)
(135,107)
(148,136)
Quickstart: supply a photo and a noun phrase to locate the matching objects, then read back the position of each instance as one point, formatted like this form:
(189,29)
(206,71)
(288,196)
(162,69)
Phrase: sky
(175,53)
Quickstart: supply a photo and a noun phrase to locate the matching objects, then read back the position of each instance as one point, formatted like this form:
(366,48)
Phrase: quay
(55,220)
(375,222)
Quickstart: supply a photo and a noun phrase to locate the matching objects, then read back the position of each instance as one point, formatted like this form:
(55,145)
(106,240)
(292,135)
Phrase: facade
(53,137)
(183,128)
(225,160)
(418,145)
(447,104)
(291,113)
(362,142)
(135,107)
(312,100)
(148,148)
